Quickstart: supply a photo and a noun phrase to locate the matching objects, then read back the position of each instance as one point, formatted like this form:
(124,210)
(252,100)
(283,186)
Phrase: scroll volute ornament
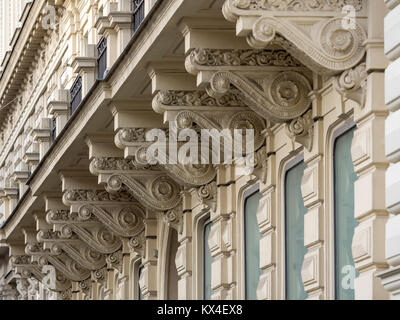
(281,98)
(352,84)
(326,47)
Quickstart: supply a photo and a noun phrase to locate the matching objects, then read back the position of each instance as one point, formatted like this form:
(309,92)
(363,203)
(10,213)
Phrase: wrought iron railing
(138,13)
(53,129)
(76,94)
(102,58)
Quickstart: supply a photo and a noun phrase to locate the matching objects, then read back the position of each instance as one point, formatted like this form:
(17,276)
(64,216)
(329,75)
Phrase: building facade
(306,210)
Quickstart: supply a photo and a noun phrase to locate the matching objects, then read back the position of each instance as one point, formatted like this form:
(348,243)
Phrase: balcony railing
(53,129)
(76,94)
(102,58)
(138,13)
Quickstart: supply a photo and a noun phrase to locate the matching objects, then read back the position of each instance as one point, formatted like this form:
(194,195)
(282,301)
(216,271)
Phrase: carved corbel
(99,275)
(73,247)
(280,98)
(115,261)
(325,44)
(26,268)
(64,264)
(301,130)
(174,219)
(117,211)
(207,195)
(93,233)
(352,84)
(137,163)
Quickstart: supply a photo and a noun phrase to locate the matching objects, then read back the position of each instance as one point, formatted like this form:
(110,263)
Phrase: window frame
(203,250)
(247,193)
(288,166)
(340,131)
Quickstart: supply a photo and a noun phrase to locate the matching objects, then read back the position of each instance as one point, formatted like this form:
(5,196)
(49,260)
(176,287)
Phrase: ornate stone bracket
(93,233)
(282,98)
(63,263)
(73,247)
(174,218)
(323,44)
(301,130)
(119,212)
(207,195)
(157,192)
(26,268)
(352,84)
(137,162)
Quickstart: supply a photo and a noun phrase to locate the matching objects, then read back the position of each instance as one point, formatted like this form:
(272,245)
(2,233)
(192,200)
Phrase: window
(102,58)
(53,128)
(345,223)
(252,237)
(207,260)
(294,232)
(140,295)
(76,94)
(138,13)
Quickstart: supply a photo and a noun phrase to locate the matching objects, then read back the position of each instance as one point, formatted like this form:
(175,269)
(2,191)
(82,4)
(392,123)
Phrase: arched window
(252,237)
(294,231)
(172,273)
(345,223)
(207,261)
(140,295)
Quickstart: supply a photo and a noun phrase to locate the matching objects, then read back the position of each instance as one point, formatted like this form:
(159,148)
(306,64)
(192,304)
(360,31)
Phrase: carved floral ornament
(326,47)
(293,5)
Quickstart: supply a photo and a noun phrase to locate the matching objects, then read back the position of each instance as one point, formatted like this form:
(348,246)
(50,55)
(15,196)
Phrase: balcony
(76,95)
(102,58)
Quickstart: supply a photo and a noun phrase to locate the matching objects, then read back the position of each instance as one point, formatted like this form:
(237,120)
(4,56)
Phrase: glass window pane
(252,245)
(140,296)
(344,217)
(295,250)
(207,263)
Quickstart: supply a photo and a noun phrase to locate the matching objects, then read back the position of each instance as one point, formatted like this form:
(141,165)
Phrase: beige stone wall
(86,218)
